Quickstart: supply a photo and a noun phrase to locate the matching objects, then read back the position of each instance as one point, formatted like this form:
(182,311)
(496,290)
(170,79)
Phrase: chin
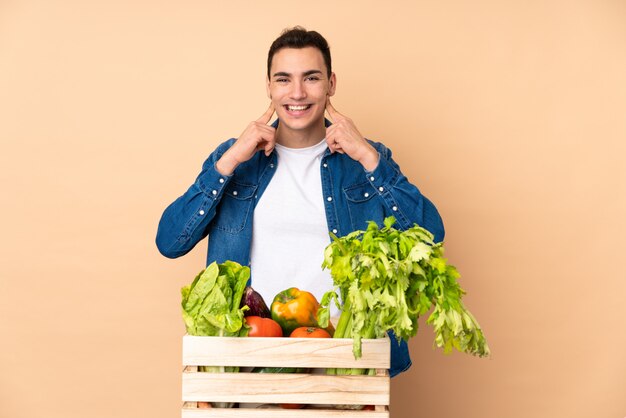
(300,124)
(297,126)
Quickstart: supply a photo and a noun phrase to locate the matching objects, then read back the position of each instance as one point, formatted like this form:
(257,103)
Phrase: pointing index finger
(332,112)
(267,116)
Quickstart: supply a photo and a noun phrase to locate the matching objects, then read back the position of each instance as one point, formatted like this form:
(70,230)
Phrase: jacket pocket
(234,208)
(364,205)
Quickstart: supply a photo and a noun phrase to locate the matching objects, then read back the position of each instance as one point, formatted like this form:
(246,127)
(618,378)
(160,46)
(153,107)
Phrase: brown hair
(298,37)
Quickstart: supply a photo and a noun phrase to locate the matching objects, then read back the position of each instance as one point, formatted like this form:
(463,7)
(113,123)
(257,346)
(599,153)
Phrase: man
(269,198)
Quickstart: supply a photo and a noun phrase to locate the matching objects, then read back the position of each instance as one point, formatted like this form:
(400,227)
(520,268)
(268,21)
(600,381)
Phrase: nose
(298,91)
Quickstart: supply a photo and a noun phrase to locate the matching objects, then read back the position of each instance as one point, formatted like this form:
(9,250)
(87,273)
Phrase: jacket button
(325,165)
(214,192)
(235,193)
(329,198)
(221,180)
(372,178)
(380,189)
(334,231)
(201,212)
(366,194)
(395,208)
(271,165)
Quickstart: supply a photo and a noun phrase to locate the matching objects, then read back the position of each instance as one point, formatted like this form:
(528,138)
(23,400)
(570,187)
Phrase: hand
(343,137)
(257,136)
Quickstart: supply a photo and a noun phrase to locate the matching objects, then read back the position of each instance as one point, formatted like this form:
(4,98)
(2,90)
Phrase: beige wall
(509,115)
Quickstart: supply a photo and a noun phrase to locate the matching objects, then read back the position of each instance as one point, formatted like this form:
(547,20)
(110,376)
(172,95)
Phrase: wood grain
(284,352)
(285,388)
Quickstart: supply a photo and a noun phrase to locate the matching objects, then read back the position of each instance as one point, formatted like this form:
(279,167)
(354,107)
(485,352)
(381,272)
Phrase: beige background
(509,115)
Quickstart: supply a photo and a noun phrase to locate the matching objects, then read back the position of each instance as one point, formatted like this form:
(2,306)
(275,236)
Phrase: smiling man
(270,197)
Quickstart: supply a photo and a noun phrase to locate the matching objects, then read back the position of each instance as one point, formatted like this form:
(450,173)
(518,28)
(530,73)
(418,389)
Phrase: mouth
(297,110)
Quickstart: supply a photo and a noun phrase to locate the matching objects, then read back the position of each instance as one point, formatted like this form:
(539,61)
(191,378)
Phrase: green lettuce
(210,306)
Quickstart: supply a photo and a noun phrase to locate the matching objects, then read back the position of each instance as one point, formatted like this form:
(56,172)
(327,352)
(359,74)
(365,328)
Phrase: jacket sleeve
(402,198)
(185,221)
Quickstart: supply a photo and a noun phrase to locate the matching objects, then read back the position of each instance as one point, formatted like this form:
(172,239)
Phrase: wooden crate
(313,389)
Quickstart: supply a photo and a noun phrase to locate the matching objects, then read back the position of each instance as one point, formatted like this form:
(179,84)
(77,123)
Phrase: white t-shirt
(289,228)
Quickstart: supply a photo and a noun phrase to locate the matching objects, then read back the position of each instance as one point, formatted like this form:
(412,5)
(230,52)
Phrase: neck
(291,138)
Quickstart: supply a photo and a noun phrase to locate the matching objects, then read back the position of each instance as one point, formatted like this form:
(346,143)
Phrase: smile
(296,108)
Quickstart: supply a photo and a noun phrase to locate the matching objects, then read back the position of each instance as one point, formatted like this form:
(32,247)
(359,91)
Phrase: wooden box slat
(286,388)
(284,352)
(268,388)
(280,413)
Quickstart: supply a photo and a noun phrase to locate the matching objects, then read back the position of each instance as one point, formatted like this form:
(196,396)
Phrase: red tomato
(309,332)
(263,327)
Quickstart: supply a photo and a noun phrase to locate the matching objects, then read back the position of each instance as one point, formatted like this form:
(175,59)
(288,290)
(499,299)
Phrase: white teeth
(297,107)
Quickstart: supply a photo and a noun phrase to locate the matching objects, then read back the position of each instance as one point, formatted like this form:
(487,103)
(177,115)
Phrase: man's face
(298,86)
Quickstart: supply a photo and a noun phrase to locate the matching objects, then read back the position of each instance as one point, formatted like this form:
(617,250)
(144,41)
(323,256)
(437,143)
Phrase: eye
(312,78)
(281,80)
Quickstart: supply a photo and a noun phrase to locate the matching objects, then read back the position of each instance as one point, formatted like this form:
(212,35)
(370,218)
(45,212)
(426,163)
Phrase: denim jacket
(222,207)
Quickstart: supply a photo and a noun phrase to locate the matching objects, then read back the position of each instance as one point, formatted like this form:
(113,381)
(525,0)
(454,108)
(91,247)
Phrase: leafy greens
(210,306)
(387,278)
(211,302)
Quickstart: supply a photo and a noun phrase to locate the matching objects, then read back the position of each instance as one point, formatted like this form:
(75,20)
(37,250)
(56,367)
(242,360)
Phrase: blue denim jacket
(222,207)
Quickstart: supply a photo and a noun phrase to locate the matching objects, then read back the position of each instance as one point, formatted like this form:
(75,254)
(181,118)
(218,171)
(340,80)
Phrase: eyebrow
(306,73)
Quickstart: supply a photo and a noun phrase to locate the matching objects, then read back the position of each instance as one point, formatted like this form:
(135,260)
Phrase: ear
(267,88)
(332,84)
